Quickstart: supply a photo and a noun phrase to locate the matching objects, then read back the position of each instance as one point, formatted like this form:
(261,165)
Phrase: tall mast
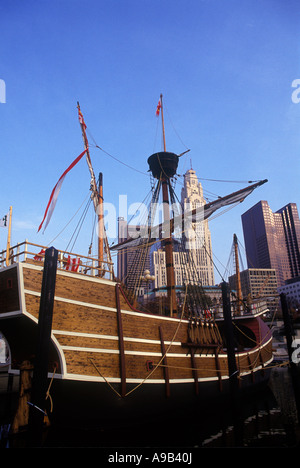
(162,121)
(168,241)
(238,276)
(8,237)
(97,194)
(100,222)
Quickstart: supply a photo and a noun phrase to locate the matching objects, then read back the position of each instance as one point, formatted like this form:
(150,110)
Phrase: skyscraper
(272,240)
(260,283)
(291,227)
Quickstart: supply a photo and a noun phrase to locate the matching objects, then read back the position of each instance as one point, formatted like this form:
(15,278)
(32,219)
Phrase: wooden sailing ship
(110,361)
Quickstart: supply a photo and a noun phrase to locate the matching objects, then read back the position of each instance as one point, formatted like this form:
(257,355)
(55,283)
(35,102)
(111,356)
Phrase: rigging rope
(174,127)
(50,243)
(231,181)
(79,224)
(134,275)
(113,157)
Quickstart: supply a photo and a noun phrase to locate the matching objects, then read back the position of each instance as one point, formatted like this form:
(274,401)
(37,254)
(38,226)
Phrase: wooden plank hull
(109,359)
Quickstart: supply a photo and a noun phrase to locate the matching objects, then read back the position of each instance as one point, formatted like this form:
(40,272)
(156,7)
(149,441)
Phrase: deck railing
(257,308)
(69,261)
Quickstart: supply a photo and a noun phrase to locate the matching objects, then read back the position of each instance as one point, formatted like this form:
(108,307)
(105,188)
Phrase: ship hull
(94,405)
(88,414)
(113,366)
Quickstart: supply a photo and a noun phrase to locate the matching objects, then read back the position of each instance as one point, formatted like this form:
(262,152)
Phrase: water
(268,419)
(263,429)
(271,422)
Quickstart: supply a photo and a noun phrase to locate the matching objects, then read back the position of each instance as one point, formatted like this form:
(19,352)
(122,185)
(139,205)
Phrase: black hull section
(146,417)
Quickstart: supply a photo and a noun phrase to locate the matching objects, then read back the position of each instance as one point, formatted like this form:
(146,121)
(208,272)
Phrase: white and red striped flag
(53,197)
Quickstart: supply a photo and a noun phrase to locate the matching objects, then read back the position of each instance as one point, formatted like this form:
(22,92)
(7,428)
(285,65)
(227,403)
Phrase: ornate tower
(199,240)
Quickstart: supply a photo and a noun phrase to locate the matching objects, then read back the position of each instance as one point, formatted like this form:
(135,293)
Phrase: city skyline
(198,240)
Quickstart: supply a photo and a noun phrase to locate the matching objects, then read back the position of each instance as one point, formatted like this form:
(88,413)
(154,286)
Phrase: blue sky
(224,67)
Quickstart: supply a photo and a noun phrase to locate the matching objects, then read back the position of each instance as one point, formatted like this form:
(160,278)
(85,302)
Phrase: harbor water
(267,418)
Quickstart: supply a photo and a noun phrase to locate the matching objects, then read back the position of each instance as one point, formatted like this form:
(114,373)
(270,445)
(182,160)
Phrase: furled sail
(235,197)
(198,214)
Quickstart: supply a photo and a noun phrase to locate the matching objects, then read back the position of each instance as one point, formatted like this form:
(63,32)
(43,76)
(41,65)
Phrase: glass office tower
(272,240)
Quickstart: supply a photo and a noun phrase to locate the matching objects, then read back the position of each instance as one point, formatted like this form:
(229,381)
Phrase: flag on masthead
(158,108)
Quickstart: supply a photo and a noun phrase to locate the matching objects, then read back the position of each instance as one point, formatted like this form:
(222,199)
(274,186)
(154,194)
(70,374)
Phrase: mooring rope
(48,391)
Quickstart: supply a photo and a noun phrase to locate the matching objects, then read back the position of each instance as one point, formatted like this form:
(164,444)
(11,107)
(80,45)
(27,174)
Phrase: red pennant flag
(53,197)
(158,108)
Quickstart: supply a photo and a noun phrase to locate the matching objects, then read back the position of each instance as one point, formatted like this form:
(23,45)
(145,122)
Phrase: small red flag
(158,108)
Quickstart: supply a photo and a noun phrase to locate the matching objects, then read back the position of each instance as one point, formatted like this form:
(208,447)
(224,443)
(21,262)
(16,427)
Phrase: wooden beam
(193,348)
(195,372)
(230,340)
(251,369)
(218,367)
(40,372)
(262,363)
(121,344)
(165,362)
